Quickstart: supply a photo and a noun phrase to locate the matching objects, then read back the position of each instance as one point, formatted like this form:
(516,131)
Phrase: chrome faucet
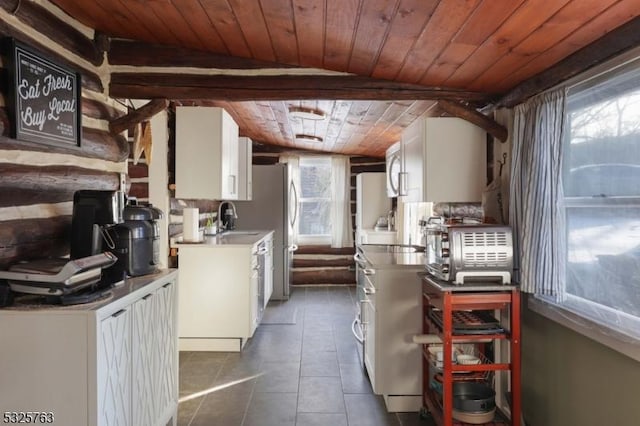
(219,217)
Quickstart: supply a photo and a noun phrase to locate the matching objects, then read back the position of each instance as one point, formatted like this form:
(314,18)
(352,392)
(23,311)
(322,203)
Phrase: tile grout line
(304,311)
(195,412)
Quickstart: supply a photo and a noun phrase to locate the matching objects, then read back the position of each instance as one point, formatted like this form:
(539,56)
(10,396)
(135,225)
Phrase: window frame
(564,311)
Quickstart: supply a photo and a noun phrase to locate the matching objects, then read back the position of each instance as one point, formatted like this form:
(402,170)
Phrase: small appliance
(461,252)
(135,241)
(102,222)
(93,213)
(60,280)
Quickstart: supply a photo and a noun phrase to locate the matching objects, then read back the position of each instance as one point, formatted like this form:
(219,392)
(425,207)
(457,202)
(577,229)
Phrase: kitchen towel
(191,224)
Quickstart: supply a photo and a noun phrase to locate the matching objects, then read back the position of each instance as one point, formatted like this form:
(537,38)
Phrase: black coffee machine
(136,240)
(102,222)
(94,213)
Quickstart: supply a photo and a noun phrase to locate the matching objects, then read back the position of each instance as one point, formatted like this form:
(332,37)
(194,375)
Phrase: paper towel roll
(190,224)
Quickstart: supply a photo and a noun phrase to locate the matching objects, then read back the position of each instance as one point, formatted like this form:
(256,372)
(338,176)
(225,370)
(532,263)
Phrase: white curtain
(293,167)
(535,213)
(341,229)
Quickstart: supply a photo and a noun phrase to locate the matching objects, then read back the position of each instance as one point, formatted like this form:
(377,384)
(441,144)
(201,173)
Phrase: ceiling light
(307,113)
(308,138)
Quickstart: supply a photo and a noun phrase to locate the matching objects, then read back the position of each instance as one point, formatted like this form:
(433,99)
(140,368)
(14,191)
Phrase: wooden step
(321,265)
(325,250)
(323,262)
(323,276)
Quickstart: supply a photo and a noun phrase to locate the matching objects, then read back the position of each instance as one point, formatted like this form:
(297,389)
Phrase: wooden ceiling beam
(143,113)
(472,115)
(90,80)
(276,87)
(613,43)
(55,28)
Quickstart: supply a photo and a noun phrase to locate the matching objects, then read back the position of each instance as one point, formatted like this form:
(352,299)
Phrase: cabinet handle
(402,183)
(166,285)
(148,296)
(120,312)
(359,260)
(369,291)
(232,184)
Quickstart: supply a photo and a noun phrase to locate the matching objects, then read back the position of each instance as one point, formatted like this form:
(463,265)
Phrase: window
(314,225)
(601,183)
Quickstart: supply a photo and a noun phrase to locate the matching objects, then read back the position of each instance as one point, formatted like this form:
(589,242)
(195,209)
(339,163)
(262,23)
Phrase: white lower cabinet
(369,330)
(114,369)
(115,364)
(392,315)
(221,294)
(153,346)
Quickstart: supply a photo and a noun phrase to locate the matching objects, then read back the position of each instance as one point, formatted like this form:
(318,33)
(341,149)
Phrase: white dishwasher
(390,314)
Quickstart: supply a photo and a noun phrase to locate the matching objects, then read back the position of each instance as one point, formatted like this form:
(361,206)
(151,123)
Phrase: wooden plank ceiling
(487,46)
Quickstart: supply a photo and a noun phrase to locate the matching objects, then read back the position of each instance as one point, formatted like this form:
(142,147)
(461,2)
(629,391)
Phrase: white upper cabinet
(207,154)
(245,158)
(445,160)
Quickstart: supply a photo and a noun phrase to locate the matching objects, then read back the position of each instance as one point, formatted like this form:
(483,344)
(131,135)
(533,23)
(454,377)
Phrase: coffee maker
(93,213)
(136,240)
(102,222)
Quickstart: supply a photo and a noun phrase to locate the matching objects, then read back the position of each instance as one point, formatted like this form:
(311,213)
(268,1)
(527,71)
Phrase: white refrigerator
(273,206)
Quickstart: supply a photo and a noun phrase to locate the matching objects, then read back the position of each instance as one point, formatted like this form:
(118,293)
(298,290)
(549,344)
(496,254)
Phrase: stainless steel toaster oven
(460,252)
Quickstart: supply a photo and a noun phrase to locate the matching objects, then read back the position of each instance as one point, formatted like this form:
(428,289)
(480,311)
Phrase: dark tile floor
(301,368)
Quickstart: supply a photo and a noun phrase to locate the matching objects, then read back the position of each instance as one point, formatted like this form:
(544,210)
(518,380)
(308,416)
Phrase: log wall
(37,181)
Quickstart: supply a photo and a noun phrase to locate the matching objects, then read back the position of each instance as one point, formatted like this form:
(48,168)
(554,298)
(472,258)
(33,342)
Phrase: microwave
(396,178)
(462,252)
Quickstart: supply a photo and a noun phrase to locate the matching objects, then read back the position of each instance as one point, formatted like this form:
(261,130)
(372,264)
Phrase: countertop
(381,256)
(130,286)
(226,239)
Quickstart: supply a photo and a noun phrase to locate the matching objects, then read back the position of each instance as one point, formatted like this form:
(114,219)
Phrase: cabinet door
(206,154)
(154,347)
(413,160)
(114,369)
(245,175)
(167,348)
(369,322)
(145,340)
(199,152)
(455,160)
(445,160)
(268,272)
(253,320)
(229,166)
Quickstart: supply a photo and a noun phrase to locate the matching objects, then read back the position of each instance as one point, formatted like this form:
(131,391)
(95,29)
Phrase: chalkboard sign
(44,98)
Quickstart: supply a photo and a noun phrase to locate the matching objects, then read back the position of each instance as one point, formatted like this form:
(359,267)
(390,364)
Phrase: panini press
(62,281)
